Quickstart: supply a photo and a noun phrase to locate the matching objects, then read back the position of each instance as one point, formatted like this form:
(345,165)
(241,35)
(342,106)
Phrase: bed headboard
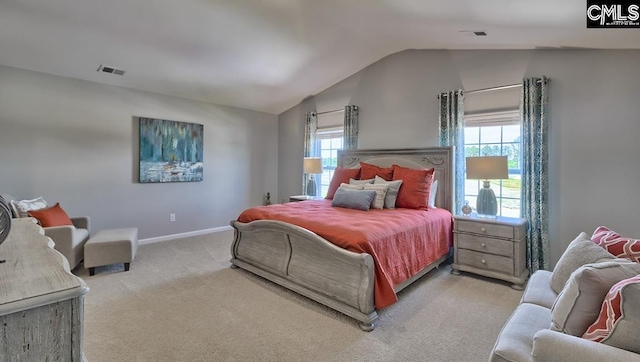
(440,158)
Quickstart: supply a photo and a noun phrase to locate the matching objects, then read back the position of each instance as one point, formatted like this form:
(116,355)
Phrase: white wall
(76,142)
(594,123)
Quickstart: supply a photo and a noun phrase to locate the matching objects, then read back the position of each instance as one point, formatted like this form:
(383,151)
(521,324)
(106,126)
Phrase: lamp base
(311,186)
(487,205)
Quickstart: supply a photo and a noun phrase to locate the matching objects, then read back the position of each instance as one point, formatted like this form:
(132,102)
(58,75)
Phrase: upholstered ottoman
(111,246)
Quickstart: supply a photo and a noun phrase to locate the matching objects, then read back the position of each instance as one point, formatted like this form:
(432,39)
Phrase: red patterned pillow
(619,319)
(341,175)
(369,171)
(621,247)
(415,188)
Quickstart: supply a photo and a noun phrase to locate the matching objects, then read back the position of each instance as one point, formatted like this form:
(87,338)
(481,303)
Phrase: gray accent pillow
(580,251)
(392,191)
(353,199)
(578,305)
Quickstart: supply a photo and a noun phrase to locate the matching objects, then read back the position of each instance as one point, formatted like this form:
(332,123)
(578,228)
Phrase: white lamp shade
(312,165)
(487,168)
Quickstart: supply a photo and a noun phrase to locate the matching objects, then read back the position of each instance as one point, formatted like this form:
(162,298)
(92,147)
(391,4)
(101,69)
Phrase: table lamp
(312,166)
(487,168)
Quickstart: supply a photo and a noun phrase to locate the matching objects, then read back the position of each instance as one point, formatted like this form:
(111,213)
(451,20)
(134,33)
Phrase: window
(496,134)
(330,142)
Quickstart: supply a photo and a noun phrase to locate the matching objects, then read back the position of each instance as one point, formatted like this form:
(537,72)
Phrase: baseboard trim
(184,235)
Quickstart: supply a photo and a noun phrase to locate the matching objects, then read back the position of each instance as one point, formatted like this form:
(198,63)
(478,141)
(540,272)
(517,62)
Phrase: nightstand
(303,198)
(491,247)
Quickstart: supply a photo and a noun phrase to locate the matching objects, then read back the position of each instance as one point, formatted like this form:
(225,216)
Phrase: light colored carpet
(181,301)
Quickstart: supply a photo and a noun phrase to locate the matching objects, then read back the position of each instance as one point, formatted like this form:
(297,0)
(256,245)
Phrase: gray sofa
(527,336)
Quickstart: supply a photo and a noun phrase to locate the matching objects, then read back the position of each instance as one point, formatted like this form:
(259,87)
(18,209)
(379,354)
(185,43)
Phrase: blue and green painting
(170,151)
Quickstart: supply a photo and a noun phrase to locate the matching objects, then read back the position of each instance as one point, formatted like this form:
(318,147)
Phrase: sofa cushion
(538,290)
(620,246)
(619,320)
(580,251)
(578,304)
(516,338)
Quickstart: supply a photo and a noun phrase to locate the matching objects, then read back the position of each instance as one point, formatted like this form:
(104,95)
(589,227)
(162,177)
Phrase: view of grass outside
(496,141)
(329,146)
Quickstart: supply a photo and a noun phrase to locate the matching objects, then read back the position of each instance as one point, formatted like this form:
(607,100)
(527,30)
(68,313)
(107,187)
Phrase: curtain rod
(493,88)
(334,111)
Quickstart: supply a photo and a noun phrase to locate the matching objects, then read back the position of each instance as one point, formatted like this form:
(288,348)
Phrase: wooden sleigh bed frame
(306,263)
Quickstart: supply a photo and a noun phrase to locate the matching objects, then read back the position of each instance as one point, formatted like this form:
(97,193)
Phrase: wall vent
(110,70)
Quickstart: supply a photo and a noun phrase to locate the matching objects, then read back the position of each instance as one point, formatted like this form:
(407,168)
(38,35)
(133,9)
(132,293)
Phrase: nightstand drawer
(485,244)
(485,261)
(502,231)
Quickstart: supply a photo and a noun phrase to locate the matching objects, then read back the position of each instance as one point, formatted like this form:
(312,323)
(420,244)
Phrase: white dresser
(41,302)
(491,247)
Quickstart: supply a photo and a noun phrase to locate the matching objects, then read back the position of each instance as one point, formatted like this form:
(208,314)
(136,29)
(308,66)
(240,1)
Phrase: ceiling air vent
(110,70)
(474,32)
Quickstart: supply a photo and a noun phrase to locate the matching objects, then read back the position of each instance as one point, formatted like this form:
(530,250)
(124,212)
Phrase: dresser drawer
(485,261)
(485,244)
(502,231)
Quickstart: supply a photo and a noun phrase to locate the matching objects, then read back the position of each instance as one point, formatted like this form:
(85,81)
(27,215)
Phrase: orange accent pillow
(51,216)
(415,188)
(369,171)
(341,175)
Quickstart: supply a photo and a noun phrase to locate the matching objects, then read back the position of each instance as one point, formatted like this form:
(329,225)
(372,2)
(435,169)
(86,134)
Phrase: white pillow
(351,187)
(392,191)
(432,194)
(353,181)
(21,208)
(381,192)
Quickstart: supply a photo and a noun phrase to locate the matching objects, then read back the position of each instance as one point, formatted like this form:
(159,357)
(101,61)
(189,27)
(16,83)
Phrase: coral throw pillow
(51,216)
(415,188)
(621,247)
(340,176)
(368,171)
(619,319)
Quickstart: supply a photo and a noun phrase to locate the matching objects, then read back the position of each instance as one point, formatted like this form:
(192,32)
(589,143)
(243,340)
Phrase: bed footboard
(302,261)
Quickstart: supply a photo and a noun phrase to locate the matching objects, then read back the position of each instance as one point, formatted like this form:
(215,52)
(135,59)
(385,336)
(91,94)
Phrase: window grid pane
(496,141)
(329,147)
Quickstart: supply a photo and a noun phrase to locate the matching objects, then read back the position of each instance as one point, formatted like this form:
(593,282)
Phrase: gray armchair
(69,239)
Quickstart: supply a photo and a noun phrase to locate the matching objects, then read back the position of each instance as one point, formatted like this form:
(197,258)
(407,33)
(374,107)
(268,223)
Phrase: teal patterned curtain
(350,128)
(310,144)
(452,134)
(535,177)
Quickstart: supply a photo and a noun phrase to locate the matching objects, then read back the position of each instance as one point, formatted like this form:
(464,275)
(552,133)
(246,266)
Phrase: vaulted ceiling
(267,55)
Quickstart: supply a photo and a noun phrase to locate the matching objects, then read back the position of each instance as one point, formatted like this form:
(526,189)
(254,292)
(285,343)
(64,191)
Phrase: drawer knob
(483,245)
(483,229)
(484,261)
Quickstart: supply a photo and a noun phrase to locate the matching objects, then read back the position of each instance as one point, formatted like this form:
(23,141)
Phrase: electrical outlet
(172,217)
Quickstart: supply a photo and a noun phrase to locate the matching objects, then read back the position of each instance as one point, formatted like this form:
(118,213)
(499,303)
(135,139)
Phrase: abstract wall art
(170,151)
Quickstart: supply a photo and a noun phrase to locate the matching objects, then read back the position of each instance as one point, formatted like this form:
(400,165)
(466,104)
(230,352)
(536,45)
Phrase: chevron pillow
(621,247)
(619,319)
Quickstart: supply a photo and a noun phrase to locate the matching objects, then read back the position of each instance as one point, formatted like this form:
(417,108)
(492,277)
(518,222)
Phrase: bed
(344,280)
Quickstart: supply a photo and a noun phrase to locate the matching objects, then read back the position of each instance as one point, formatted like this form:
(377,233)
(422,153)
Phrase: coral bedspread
(401,241)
